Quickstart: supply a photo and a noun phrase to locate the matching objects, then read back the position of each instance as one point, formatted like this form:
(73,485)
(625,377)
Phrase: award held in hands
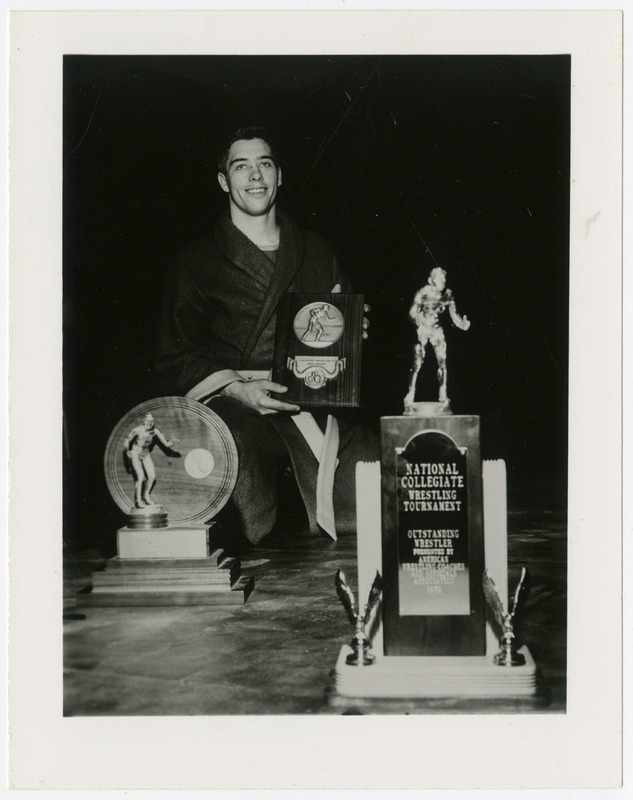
(318,348)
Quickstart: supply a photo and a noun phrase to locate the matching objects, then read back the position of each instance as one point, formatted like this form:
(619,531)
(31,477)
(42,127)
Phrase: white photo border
(581,748)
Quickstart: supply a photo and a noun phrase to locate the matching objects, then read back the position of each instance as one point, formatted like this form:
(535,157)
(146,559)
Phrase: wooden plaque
(432,536)
(195,478)
(318,345)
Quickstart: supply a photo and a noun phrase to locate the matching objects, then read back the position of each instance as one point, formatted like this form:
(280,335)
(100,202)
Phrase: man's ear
(278,176)
(222,181)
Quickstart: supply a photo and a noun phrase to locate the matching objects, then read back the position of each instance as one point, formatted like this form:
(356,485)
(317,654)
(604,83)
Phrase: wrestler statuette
(507,656)
(138,455)
(361,655)
(429,304)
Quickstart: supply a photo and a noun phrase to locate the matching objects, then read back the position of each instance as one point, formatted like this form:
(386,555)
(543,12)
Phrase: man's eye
(265,163)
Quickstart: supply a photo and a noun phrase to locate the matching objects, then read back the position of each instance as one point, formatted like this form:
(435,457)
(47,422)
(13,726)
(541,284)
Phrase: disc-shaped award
(195,474)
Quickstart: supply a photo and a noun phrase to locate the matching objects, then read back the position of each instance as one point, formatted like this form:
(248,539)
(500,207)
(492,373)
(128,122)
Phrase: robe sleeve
(184,357)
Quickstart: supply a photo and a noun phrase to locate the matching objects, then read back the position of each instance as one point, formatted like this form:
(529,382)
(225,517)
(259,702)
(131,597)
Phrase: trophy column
(432,536)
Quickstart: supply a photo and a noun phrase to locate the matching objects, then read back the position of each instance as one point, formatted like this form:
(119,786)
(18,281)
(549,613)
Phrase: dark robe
(219,316)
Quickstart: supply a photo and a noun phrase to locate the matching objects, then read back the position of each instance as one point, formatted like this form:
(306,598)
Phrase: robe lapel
(289,259)
(239,249)
(252,260)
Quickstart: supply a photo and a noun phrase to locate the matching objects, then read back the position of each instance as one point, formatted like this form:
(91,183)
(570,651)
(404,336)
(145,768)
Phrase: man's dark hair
(245,132)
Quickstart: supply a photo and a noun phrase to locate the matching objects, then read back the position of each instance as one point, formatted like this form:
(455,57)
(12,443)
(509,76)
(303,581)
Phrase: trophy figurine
(361,646)
(137,453)
(429,304)
(507,656)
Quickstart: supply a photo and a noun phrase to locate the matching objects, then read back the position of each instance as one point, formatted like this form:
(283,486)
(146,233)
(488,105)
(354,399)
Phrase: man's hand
(256,395)
(366,308)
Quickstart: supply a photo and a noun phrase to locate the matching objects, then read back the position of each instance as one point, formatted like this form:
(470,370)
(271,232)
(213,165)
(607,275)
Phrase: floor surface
(273,654)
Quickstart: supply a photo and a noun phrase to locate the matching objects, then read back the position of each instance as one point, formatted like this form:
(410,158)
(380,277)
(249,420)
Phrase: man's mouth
(257,190)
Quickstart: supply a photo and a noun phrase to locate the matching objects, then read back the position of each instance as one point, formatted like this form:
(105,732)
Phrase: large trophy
(431,518)
(170,466)
(433,553)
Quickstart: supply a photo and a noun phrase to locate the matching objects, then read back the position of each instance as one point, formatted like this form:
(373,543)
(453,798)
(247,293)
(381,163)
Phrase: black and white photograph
(316,444)
(438,187)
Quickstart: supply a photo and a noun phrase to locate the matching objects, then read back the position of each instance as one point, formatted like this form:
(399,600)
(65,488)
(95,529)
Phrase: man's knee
(252,521)
(262,457)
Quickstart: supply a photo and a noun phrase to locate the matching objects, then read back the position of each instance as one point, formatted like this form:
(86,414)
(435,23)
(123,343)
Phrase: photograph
(198,193)
(315,400)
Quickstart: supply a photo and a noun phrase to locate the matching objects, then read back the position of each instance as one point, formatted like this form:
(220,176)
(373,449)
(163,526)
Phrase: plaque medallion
(199,463)
(319,324)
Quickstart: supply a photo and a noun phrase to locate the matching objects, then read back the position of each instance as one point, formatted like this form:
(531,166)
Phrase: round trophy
(170,458)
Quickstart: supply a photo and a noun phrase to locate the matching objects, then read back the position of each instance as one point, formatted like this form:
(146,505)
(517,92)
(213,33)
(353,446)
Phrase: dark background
(401,163)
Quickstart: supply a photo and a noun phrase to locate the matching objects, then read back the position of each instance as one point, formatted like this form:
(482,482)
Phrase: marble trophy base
(424,408)
(168,567)
(149,517)
(170,542)
(418,682)
(425,683)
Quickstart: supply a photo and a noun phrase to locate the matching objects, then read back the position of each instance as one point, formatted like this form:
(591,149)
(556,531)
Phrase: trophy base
(179,541)
(420,682)
(153,516)
(360,656)
(423,408)
(360,659)
(511,659)
(168,567)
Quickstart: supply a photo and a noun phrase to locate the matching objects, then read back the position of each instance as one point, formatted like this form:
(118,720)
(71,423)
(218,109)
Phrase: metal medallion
(199,463)
(319,325)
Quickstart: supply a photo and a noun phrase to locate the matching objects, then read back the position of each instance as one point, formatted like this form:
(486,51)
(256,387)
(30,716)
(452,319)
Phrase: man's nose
(256,174)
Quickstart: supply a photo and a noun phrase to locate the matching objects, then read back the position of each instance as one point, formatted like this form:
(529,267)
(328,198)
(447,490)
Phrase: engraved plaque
(318,344)
(432,522)
(432,536)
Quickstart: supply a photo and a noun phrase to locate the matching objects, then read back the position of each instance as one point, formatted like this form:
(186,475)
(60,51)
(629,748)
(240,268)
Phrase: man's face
(252,177)
(438,278)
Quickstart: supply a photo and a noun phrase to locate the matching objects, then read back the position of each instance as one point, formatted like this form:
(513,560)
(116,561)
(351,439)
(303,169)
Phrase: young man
(217,338)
